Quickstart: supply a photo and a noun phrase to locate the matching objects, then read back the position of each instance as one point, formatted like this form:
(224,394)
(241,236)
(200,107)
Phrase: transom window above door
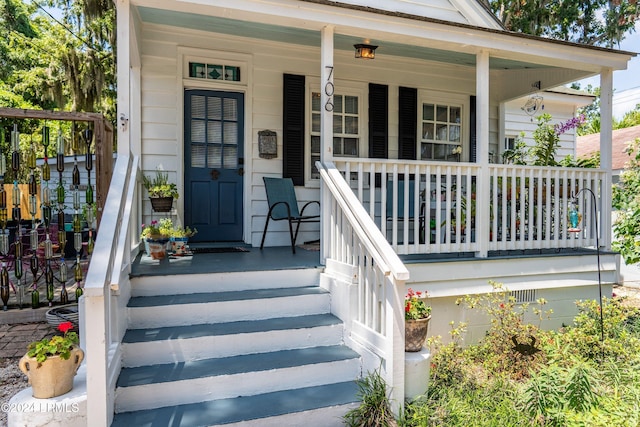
(441,129)
(346,128)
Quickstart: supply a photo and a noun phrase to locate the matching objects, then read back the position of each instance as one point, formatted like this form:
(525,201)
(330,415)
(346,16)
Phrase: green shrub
(375,408)
(566,383)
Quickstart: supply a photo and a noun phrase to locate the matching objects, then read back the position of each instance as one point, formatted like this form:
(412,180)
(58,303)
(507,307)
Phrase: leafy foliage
(547,143)
(375,408)
(566,384)
(59,64)
(414,306)
(599,22)
(630,118)
(626,200)
(55,346)
(159,185)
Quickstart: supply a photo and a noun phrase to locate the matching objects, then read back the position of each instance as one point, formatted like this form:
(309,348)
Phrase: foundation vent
(524,296)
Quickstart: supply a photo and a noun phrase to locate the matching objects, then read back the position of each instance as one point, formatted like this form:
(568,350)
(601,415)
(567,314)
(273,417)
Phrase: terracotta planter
(54,376)
(415,333)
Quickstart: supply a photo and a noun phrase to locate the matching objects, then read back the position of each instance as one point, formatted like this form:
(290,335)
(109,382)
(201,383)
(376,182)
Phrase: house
(590,144)
(386,113)
(562,103)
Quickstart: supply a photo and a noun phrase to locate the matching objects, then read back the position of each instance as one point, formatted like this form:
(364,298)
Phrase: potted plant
(51,364)
(155,236)
(179,239)
(416,320)
(161,191)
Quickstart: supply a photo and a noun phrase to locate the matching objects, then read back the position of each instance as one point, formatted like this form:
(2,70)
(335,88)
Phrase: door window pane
(197,131)
(214,111)
(197,156)
(197,106)
(214,153)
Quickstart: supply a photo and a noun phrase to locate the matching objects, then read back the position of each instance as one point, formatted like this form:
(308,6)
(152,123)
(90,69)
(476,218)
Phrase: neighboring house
(590,144)
(561,102)
(204,86)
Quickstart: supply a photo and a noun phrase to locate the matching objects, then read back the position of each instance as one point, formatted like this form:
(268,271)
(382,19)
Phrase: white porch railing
(107,291)
(437,211)
(353,243)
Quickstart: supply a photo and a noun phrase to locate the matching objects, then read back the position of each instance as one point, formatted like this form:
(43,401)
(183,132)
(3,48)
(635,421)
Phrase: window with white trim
(346,128)
(441,126)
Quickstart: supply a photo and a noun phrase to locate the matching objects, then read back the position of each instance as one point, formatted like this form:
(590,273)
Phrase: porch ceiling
(305,37)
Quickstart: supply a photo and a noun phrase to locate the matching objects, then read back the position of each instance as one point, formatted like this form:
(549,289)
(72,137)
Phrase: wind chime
(87,136)
(4,234)
(46,217)
(16,214)
(33,234)
(47,204)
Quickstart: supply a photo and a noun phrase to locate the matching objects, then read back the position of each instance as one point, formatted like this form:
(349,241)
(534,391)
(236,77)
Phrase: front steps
(263,353)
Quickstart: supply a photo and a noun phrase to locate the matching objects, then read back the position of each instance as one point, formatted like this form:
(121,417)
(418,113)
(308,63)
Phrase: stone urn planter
(54,376)
(415,333)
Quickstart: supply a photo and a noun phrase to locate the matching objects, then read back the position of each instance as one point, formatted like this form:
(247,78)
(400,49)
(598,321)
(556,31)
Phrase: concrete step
(172,384)
(150,346)
(221,282)
(309,406)
(213,307)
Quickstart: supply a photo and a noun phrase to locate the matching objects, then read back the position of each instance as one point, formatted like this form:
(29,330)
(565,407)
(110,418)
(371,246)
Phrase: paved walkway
(14,338)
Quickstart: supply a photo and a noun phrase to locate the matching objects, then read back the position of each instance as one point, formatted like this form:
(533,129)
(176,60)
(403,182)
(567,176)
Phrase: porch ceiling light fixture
(365,51)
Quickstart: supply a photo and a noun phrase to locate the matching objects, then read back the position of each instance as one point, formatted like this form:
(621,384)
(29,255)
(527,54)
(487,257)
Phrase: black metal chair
(283,205)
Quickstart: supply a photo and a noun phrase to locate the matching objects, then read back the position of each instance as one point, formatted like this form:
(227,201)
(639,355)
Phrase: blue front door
(214,164)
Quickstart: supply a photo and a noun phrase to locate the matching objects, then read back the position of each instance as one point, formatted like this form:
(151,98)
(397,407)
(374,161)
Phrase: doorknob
(241,171)
(215,174)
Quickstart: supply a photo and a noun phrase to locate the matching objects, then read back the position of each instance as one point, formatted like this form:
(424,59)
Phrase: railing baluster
(526,204)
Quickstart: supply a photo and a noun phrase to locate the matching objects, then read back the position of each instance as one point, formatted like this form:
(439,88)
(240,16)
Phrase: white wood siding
(516,121)
(162,111)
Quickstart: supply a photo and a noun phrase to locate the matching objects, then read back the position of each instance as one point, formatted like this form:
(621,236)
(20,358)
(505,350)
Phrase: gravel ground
(12,380)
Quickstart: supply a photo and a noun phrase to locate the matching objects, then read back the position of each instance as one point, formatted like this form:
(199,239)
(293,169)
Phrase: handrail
(441,212)
(362,223)
(101,317)
(369,298)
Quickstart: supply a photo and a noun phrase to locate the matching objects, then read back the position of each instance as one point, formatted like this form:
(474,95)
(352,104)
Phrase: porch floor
(254,259)
(281,258)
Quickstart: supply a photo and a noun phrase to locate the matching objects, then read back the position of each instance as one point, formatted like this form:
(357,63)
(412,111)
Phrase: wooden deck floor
(254,259)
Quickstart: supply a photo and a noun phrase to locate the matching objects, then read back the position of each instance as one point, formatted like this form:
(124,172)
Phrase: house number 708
(329,90)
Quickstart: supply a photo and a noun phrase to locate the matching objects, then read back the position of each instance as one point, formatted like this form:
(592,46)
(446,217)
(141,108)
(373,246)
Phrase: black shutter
(407,123)
(293,128)
(378,121)
(472,131)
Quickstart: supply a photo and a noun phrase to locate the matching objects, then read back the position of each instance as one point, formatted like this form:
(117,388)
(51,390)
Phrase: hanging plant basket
(161,204)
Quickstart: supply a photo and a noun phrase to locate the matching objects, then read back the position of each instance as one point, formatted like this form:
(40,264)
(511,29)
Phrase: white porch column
(326,130)
(606,158)
(123,113)
(482,152)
